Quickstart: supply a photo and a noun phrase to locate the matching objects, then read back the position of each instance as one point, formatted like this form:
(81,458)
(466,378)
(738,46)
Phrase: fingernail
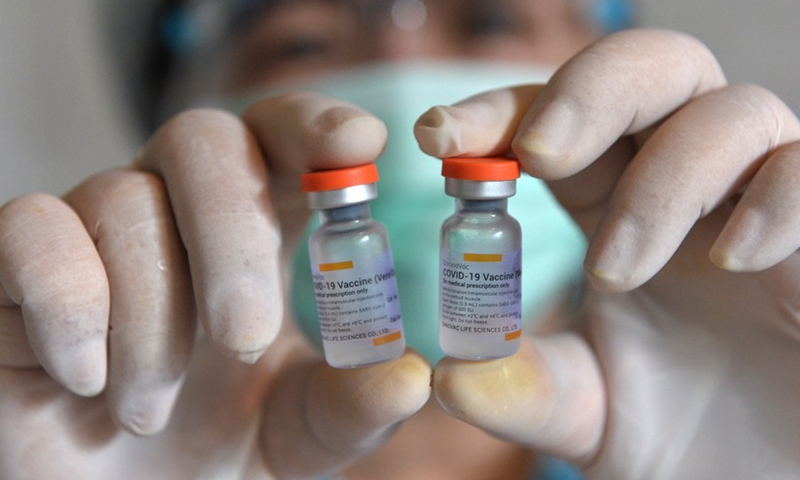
(244,356)
(146,411)
(249,357)
(81,368)
(246,320)
(332,119)
(434,117)
(610,261)
(438,132)
(740,244)
(549,136)
(726,259)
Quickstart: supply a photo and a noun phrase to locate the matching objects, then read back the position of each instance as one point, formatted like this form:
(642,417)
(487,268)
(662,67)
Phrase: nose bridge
(407,30)
(395,44)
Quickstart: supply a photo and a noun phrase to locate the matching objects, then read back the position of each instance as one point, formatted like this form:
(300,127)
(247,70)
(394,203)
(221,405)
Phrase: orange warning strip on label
(483,257)
(387,338)
(330,267)
(513,335)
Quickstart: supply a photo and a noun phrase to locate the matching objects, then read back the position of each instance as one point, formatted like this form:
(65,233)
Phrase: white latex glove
(102,372)
(686,364)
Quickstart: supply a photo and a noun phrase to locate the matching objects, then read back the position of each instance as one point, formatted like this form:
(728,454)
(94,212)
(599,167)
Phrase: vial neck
(497,205)
(347,213)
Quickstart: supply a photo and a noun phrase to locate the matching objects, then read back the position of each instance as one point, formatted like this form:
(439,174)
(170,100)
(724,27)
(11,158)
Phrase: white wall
(58,123)
(755,41)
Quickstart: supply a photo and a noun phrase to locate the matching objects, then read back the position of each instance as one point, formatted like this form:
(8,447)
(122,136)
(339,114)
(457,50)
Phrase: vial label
(358,305)
(480,295)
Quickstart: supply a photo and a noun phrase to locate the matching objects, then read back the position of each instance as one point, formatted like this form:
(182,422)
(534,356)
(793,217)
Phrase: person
(147,321)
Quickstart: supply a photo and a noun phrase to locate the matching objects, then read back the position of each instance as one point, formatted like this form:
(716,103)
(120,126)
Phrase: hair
(148,39)
(140,59)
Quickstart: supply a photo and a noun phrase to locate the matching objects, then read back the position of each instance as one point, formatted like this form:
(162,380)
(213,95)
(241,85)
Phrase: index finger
(303,131)
(618,86)
(218,171)
(49,266)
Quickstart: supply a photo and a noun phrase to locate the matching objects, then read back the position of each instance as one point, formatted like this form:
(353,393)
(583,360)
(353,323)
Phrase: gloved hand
(100,292)
(685,360)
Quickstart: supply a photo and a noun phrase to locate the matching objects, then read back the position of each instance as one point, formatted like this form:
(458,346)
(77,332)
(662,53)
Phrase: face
(290,40)
(291,44)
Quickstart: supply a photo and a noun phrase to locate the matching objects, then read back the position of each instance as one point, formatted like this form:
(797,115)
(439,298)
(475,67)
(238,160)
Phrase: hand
(686,363)
(100,293)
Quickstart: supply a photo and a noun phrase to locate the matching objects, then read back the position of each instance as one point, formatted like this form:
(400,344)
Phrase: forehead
(270,43)
(244,13)
(283,40)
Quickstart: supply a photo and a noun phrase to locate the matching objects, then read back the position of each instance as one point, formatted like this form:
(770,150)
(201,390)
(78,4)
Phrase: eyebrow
(245,11)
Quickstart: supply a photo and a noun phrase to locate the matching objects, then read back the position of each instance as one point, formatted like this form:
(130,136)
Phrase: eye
(483,19)
(294,38)
(306,47)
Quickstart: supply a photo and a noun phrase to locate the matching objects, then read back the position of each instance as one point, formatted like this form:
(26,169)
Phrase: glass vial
(480,271)
(352,268)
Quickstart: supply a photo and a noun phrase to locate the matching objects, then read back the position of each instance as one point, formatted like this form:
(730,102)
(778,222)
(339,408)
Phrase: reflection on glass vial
(481,270)
(352,268)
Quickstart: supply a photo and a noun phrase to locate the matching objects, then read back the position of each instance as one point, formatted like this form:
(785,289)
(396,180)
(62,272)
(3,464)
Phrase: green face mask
(412,203)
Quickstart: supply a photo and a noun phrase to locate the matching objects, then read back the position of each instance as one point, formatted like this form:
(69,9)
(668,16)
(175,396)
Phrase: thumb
(549,396)
(321,419)
(302,131)
(481,125)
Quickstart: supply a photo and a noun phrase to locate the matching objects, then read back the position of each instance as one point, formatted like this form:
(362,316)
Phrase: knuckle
(318,112)
(131,187)
(294,101)
(281,101)
(30,224)
(33,204)
(753,90)
(195,136)
(753,96)
(120,201)
(49,264)
(197,120)
(115,186)
(762,110)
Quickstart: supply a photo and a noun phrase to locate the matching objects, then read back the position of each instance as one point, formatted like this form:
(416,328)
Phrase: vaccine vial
(352,269)
(480,272)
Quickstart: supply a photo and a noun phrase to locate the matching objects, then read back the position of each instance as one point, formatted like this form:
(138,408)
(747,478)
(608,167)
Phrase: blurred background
(61,120)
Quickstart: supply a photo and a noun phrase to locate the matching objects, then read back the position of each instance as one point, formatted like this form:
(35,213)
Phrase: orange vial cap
(481,169)
(324,180)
